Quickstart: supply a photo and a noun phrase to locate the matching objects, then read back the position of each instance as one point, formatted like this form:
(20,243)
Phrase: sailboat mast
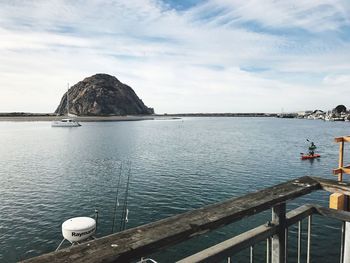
(67,99)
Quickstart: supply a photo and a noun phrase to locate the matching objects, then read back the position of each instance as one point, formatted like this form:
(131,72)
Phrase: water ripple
(49,175)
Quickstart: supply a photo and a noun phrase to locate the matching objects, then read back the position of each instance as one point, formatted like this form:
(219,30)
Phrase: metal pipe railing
(271,230)
(251,254)
(268,250)
(268,232)
(309,225)
(286,245)
(299,240)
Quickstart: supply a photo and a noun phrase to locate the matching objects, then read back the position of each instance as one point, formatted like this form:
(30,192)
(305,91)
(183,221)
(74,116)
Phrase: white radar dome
(78,228)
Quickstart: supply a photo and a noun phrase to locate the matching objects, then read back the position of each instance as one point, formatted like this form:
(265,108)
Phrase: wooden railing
(144,240)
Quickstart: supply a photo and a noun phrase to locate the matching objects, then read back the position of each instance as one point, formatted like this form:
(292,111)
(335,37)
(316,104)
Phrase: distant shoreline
(22,116)
(220,115)
(39,117)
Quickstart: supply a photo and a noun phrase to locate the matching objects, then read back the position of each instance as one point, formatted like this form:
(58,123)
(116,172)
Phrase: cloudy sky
(179,56)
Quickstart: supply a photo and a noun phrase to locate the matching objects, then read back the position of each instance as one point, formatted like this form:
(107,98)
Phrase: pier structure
(132,244)
(341,201)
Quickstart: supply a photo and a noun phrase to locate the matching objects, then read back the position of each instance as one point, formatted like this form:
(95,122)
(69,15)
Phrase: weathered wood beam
(299,213)
(332,213)
(231,246)
(146,239)
(341,170)
(249,238)
(342,139)
(278,240)
(333,186)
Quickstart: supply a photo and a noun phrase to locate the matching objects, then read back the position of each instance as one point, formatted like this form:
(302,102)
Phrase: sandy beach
(80,118)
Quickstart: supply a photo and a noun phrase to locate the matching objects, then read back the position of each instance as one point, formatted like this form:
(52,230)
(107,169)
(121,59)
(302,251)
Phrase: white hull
(65,123)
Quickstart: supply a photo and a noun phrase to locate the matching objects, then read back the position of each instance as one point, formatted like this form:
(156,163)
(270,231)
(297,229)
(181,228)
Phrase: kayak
(309,156)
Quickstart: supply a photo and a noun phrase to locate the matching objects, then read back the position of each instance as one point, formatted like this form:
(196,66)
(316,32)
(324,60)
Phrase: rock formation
(339,109)
(102,94)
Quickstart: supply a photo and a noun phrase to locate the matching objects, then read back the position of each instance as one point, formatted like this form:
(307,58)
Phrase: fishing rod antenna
(116,202)
(124,217)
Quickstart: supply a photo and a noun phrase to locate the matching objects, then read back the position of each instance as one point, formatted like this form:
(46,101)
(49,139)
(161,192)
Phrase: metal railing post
(299,240)
(342,242)
(268,248)
(286,245)
(346,243)
(252,254)
(308,255)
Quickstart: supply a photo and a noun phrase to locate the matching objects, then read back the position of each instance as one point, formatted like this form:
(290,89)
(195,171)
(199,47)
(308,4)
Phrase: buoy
(78,228)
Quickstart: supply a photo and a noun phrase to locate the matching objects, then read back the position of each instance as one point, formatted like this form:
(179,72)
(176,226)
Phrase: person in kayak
(312,148)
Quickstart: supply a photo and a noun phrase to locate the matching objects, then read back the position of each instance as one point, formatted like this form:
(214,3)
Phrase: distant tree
(340,109)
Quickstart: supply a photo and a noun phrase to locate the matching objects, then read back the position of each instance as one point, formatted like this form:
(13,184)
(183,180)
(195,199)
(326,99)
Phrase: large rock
(102,94)
(339,109)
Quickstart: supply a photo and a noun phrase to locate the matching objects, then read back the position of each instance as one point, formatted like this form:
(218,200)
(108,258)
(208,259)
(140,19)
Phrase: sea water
(48,175)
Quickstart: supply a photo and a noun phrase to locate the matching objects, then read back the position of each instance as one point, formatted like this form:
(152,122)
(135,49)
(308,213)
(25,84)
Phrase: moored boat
(65,123)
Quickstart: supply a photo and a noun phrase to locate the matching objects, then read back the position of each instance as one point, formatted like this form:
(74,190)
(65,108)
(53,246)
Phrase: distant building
(304,113)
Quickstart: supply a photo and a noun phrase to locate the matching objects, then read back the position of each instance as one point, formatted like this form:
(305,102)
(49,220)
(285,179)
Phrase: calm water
(49,174)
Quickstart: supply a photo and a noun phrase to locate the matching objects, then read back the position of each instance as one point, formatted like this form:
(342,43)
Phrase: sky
(179,56)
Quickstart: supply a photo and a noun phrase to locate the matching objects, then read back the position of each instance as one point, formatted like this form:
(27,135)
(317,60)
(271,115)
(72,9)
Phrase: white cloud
(199,60)
(337,80)
(311,15)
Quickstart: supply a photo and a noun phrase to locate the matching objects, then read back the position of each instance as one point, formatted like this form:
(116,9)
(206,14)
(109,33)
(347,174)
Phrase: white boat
(66,122)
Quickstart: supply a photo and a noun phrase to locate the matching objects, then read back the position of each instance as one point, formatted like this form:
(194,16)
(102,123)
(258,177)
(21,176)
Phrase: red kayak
(309,156)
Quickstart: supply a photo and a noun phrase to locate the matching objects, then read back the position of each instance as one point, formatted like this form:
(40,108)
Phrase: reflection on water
(49,175)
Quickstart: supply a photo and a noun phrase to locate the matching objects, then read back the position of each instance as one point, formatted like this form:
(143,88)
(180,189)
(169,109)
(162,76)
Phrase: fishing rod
(124,217)
(116,203)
